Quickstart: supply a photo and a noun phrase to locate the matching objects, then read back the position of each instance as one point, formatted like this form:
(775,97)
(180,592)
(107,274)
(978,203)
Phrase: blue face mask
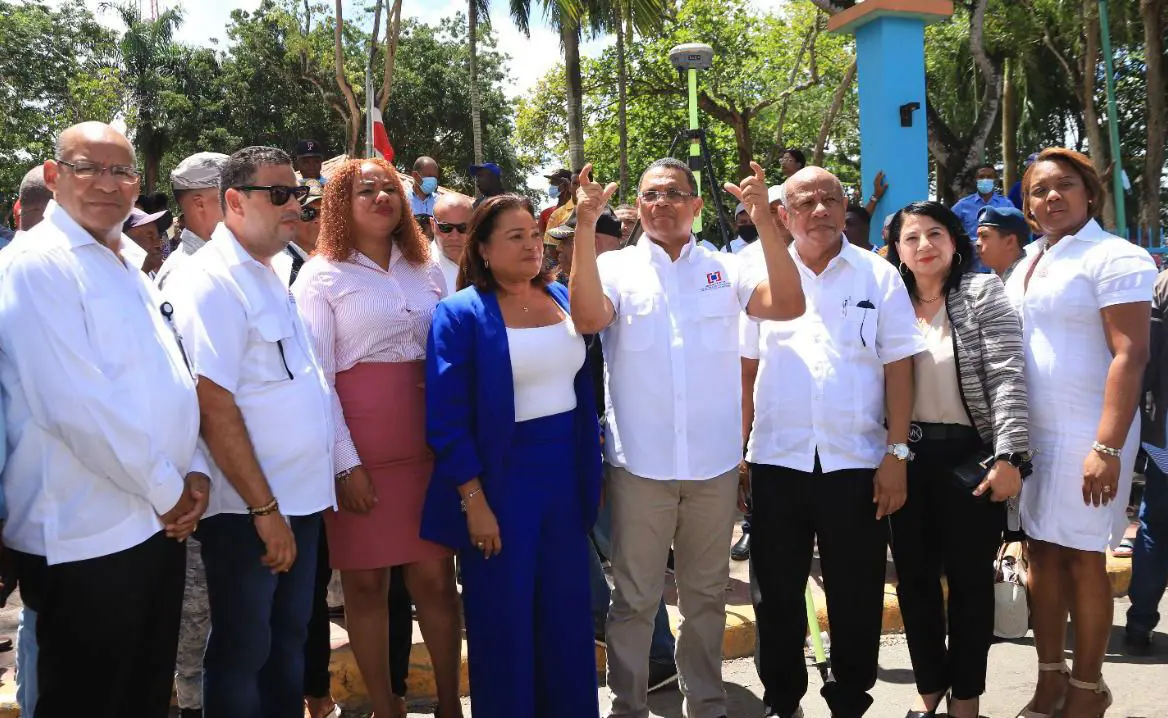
(554,192)
(985,186)
(429,185)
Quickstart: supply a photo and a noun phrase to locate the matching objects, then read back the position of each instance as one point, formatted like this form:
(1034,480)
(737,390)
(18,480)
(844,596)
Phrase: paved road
(1140,684)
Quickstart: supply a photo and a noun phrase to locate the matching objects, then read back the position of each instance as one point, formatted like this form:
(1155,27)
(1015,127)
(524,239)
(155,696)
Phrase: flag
(381,145)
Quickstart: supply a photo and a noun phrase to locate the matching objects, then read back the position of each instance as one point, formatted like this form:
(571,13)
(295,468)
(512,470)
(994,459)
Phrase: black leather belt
(919,431)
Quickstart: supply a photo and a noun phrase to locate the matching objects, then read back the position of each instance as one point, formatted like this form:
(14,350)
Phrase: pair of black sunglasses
(278,194)
(447,228)
(307,214)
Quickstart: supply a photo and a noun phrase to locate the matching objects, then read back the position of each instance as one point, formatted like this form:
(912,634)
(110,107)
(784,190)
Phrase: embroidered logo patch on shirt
(714,280)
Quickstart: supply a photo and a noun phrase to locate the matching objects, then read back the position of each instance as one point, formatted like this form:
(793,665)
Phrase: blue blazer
(470,412)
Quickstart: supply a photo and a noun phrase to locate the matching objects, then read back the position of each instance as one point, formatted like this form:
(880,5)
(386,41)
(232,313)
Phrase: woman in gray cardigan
(969,405)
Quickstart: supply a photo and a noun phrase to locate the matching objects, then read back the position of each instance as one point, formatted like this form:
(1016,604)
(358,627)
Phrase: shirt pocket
(268,343)
(858,330)
(718,322)
(637,322)
(111,334)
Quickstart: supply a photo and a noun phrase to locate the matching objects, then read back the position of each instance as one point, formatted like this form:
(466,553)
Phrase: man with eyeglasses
(105,478)
(196,191)
(451,221)
(266,409)
(667,310)
(288,263)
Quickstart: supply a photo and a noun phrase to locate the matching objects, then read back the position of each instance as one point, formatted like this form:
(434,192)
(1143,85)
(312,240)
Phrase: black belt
(919,431)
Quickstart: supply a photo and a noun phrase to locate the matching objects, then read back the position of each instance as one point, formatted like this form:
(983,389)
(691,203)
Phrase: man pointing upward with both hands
(668,311)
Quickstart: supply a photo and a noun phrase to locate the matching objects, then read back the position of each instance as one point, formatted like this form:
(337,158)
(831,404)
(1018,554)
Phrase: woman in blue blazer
(511,418)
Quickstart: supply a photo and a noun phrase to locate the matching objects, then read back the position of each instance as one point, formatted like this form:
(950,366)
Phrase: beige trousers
(696,518)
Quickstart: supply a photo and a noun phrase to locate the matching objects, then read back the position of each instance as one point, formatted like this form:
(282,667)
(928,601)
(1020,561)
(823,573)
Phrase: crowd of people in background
(208,412)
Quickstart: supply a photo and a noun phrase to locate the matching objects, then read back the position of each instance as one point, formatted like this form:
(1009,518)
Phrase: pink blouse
(358,312)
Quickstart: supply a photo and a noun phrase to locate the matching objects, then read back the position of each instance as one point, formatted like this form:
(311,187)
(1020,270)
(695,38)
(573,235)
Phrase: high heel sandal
(1062,668)
(1099,688)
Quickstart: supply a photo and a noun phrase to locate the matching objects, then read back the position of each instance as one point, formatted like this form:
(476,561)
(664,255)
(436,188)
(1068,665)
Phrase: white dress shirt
(674,385)
(282,262)
(448,267)
(820,380)
(100,406)
(189,243)
(243,332)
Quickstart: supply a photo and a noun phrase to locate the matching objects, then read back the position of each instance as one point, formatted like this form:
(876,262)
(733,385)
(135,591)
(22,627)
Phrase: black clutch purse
(971,472)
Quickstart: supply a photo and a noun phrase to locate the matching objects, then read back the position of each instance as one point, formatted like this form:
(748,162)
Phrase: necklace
(929,301)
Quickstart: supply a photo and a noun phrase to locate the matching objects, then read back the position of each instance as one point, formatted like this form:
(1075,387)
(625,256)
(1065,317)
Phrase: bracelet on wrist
(470,495)
(343,477)
(1106,450)
(271,507)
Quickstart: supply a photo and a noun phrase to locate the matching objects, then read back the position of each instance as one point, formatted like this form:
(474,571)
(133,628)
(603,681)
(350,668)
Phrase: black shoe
(741,550)
(921,714)
(1138,643)
(661,675)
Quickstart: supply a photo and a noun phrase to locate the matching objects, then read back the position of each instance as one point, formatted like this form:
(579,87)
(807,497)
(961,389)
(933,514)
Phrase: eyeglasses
(423,219)
(671,196)
(277,194)
(447,228)
(122,173)
(307,214)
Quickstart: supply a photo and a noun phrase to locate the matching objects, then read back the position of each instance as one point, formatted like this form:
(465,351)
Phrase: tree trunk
(622,99)
(1152,11)
(476,120)
(1009,128)
(837,101)
(392,35)
(991,72)
(353,129)
(1096,141)
(570,37)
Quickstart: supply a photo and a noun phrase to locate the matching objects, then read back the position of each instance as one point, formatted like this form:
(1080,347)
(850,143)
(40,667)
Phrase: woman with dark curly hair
(367,298)
(969,434)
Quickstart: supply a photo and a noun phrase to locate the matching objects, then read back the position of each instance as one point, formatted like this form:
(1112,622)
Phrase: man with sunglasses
(451,221)
(105,478)
(196,191)
(288,263)
(266,418)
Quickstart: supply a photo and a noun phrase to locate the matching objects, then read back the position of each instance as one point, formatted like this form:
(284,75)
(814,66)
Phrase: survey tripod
(703,168)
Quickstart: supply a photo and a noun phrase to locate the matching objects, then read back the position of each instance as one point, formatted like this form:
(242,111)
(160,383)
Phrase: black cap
(1007,219)
(606,223)
(559,176)
(309,148)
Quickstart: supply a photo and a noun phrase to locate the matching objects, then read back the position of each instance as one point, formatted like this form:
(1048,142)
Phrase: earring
(486,264)
(903,269)
(958,259)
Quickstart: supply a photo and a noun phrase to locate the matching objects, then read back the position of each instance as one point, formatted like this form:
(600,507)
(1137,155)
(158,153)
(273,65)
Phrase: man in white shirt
(196,191)
(747,232)
(266,421)
(827,451)
(451,221)
(668,309)
(289,262)
(104,473)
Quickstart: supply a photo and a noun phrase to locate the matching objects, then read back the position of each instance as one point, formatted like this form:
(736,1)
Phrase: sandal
(1126,548)
(1099,688)
(1028,711)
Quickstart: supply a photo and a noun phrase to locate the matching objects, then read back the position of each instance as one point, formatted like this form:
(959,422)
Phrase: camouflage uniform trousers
(192,634)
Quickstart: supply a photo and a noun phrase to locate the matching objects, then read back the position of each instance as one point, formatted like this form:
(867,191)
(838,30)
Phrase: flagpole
(369,105)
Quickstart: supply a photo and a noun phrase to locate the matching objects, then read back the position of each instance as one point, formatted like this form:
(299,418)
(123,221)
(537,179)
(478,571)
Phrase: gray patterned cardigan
(987,348)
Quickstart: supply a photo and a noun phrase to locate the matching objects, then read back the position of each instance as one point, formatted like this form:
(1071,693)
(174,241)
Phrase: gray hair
(33,190)
(672,164)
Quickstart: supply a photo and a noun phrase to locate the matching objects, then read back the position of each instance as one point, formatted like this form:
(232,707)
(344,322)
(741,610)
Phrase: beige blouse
(937,398)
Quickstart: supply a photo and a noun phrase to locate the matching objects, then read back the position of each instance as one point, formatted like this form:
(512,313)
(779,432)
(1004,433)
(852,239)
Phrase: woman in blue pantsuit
(512,422)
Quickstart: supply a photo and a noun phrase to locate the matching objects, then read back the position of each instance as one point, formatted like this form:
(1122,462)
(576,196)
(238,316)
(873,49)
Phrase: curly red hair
(336,238)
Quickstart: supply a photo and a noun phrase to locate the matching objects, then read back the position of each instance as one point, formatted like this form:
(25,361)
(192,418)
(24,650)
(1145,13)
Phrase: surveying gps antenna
(689,59)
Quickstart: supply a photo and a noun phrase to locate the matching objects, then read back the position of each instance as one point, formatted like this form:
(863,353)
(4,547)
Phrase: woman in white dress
(1085,299)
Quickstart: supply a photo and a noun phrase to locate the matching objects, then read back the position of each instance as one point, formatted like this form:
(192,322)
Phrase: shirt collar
(296,249)
(232,251)
(1091,232)
(74,233)
(654,252)
(849,253)
(192,240)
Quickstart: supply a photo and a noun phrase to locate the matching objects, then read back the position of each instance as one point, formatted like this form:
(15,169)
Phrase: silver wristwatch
(900,451)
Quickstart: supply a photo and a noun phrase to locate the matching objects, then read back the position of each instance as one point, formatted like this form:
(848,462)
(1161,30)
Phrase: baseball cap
(739,209)
(309,148)
(138,218)
(489,166)
(315,194)
(1007,219)
(559,176)
(199,171)
(774,193)
(606,223)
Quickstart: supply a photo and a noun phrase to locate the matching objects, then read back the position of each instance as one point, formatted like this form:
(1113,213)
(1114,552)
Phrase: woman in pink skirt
(367,297)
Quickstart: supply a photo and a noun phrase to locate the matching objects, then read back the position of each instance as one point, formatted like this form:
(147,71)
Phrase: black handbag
(972,471)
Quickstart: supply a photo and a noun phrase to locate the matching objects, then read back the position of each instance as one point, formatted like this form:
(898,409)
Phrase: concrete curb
(737,642)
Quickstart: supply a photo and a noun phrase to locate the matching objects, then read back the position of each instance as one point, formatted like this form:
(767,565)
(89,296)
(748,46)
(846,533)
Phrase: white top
(673,379)
(243,332)
(544,363)
(1067,361)
(282,263)
(738,244)
(449,268)
(189,243)
(133,253)
(936,395)
(820,380)
(100,407)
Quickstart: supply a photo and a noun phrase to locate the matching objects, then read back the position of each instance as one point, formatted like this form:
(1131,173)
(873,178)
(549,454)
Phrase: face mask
(985,186)
(554,192)
(429,184)
(749,232)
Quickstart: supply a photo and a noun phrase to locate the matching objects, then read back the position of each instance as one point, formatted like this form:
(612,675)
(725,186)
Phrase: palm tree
(148,55)
(476,8)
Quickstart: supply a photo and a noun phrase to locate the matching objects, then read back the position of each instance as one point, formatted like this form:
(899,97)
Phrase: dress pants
(1150,558)
(697,519)
(791,509)
(528,610)
(254,665)
(107,630)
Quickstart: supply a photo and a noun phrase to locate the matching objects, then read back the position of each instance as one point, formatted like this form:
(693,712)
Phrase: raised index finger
(758,170)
